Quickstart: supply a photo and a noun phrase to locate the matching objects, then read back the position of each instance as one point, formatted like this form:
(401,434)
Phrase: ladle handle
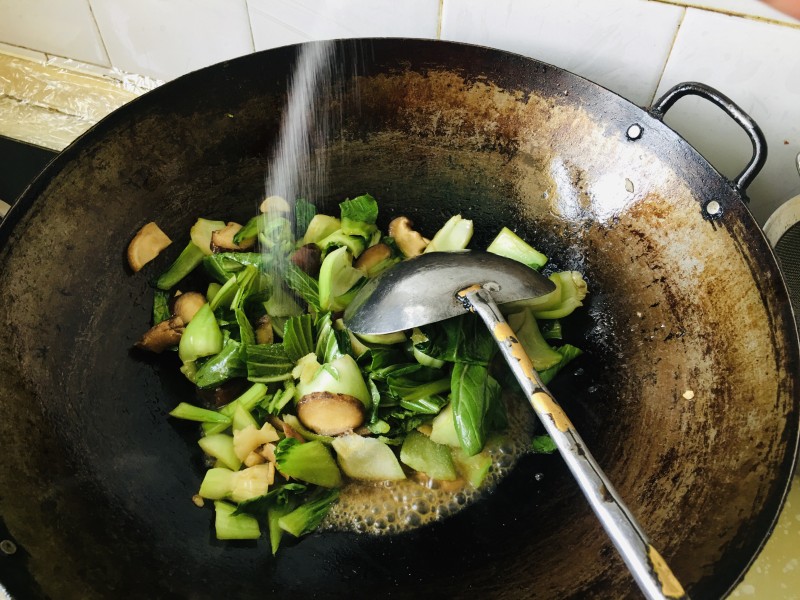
(644,562)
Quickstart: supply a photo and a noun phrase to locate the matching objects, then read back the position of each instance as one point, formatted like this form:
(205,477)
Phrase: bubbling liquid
(395,506)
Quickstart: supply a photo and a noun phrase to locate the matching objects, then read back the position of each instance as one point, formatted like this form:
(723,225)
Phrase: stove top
(19,164)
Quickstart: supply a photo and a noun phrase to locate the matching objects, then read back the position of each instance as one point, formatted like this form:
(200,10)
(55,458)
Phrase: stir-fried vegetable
(323,407)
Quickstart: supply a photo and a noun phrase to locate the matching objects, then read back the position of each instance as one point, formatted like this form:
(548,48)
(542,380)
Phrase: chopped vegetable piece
(340,376)
(220,446)
(509,244)
(454,235)
(307,517)
(310,461)
(146,245)
(202,337)
(443,430)
(186,262)
(217,484)
(202,231)
(320,227)
(422,454)
(543,444)
(190,412)
(473,469)
(234,527)
(336,277)
(527,332)
(367,458)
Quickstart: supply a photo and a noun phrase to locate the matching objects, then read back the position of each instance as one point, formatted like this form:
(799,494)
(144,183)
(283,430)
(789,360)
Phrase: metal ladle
(439,285)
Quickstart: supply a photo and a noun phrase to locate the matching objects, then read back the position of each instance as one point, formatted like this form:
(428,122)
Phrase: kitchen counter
(638,48)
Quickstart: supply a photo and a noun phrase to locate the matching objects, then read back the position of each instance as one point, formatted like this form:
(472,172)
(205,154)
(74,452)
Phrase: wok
(687,393)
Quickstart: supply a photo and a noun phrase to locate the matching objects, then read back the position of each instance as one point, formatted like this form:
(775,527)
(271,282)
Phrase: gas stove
(19,164)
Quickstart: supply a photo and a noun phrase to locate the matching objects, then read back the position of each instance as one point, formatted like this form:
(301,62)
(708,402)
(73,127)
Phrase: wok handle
(644,562)
(751,128)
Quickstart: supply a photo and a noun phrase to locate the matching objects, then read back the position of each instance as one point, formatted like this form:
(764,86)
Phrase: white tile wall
(757,65)
(62,27)
(167,38)
(752,8)
(281,23)
(621,44)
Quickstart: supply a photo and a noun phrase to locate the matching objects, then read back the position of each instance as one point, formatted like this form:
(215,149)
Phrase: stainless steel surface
(423,289)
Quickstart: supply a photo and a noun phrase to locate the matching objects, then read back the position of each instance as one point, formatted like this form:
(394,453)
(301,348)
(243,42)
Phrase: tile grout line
(730,13)
(250,24)
(669,55)
(439,20)
(99,34)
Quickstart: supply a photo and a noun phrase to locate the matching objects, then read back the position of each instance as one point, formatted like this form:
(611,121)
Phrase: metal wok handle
(753,131)
(649,569)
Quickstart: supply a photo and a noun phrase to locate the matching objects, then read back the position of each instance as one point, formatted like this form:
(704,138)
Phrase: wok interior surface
(687,393)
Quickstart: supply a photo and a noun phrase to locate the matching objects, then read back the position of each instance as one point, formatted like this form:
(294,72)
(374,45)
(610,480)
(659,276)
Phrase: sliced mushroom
(222,239)
(372,257)
(330,414)
(146,245)
(308,258)
(162,336)
(410,242)
(275,205)
(186,305)
(263,330)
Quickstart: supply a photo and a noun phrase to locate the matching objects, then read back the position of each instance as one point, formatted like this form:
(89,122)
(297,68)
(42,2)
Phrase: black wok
(687,394)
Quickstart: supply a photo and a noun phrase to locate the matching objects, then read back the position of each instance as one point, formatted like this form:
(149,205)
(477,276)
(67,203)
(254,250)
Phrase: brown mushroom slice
(148,243)
(372,257)
(308,258)
(186,305)
(410,242)
(330,414)
(162,336)
(263,330)
(222,239)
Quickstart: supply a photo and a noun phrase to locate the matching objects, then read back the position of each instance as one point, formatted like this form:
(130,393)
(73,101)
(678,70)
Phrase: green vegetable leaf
(161,310)
(472,393)
(304,211)
(362,208)
(246,333)
(303,285)
(268,362)
(543,444)
(415,382)
(298,337)
(568,353)
(461,339)
(228,364)
(307,517)
(278,495)
(311,462)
